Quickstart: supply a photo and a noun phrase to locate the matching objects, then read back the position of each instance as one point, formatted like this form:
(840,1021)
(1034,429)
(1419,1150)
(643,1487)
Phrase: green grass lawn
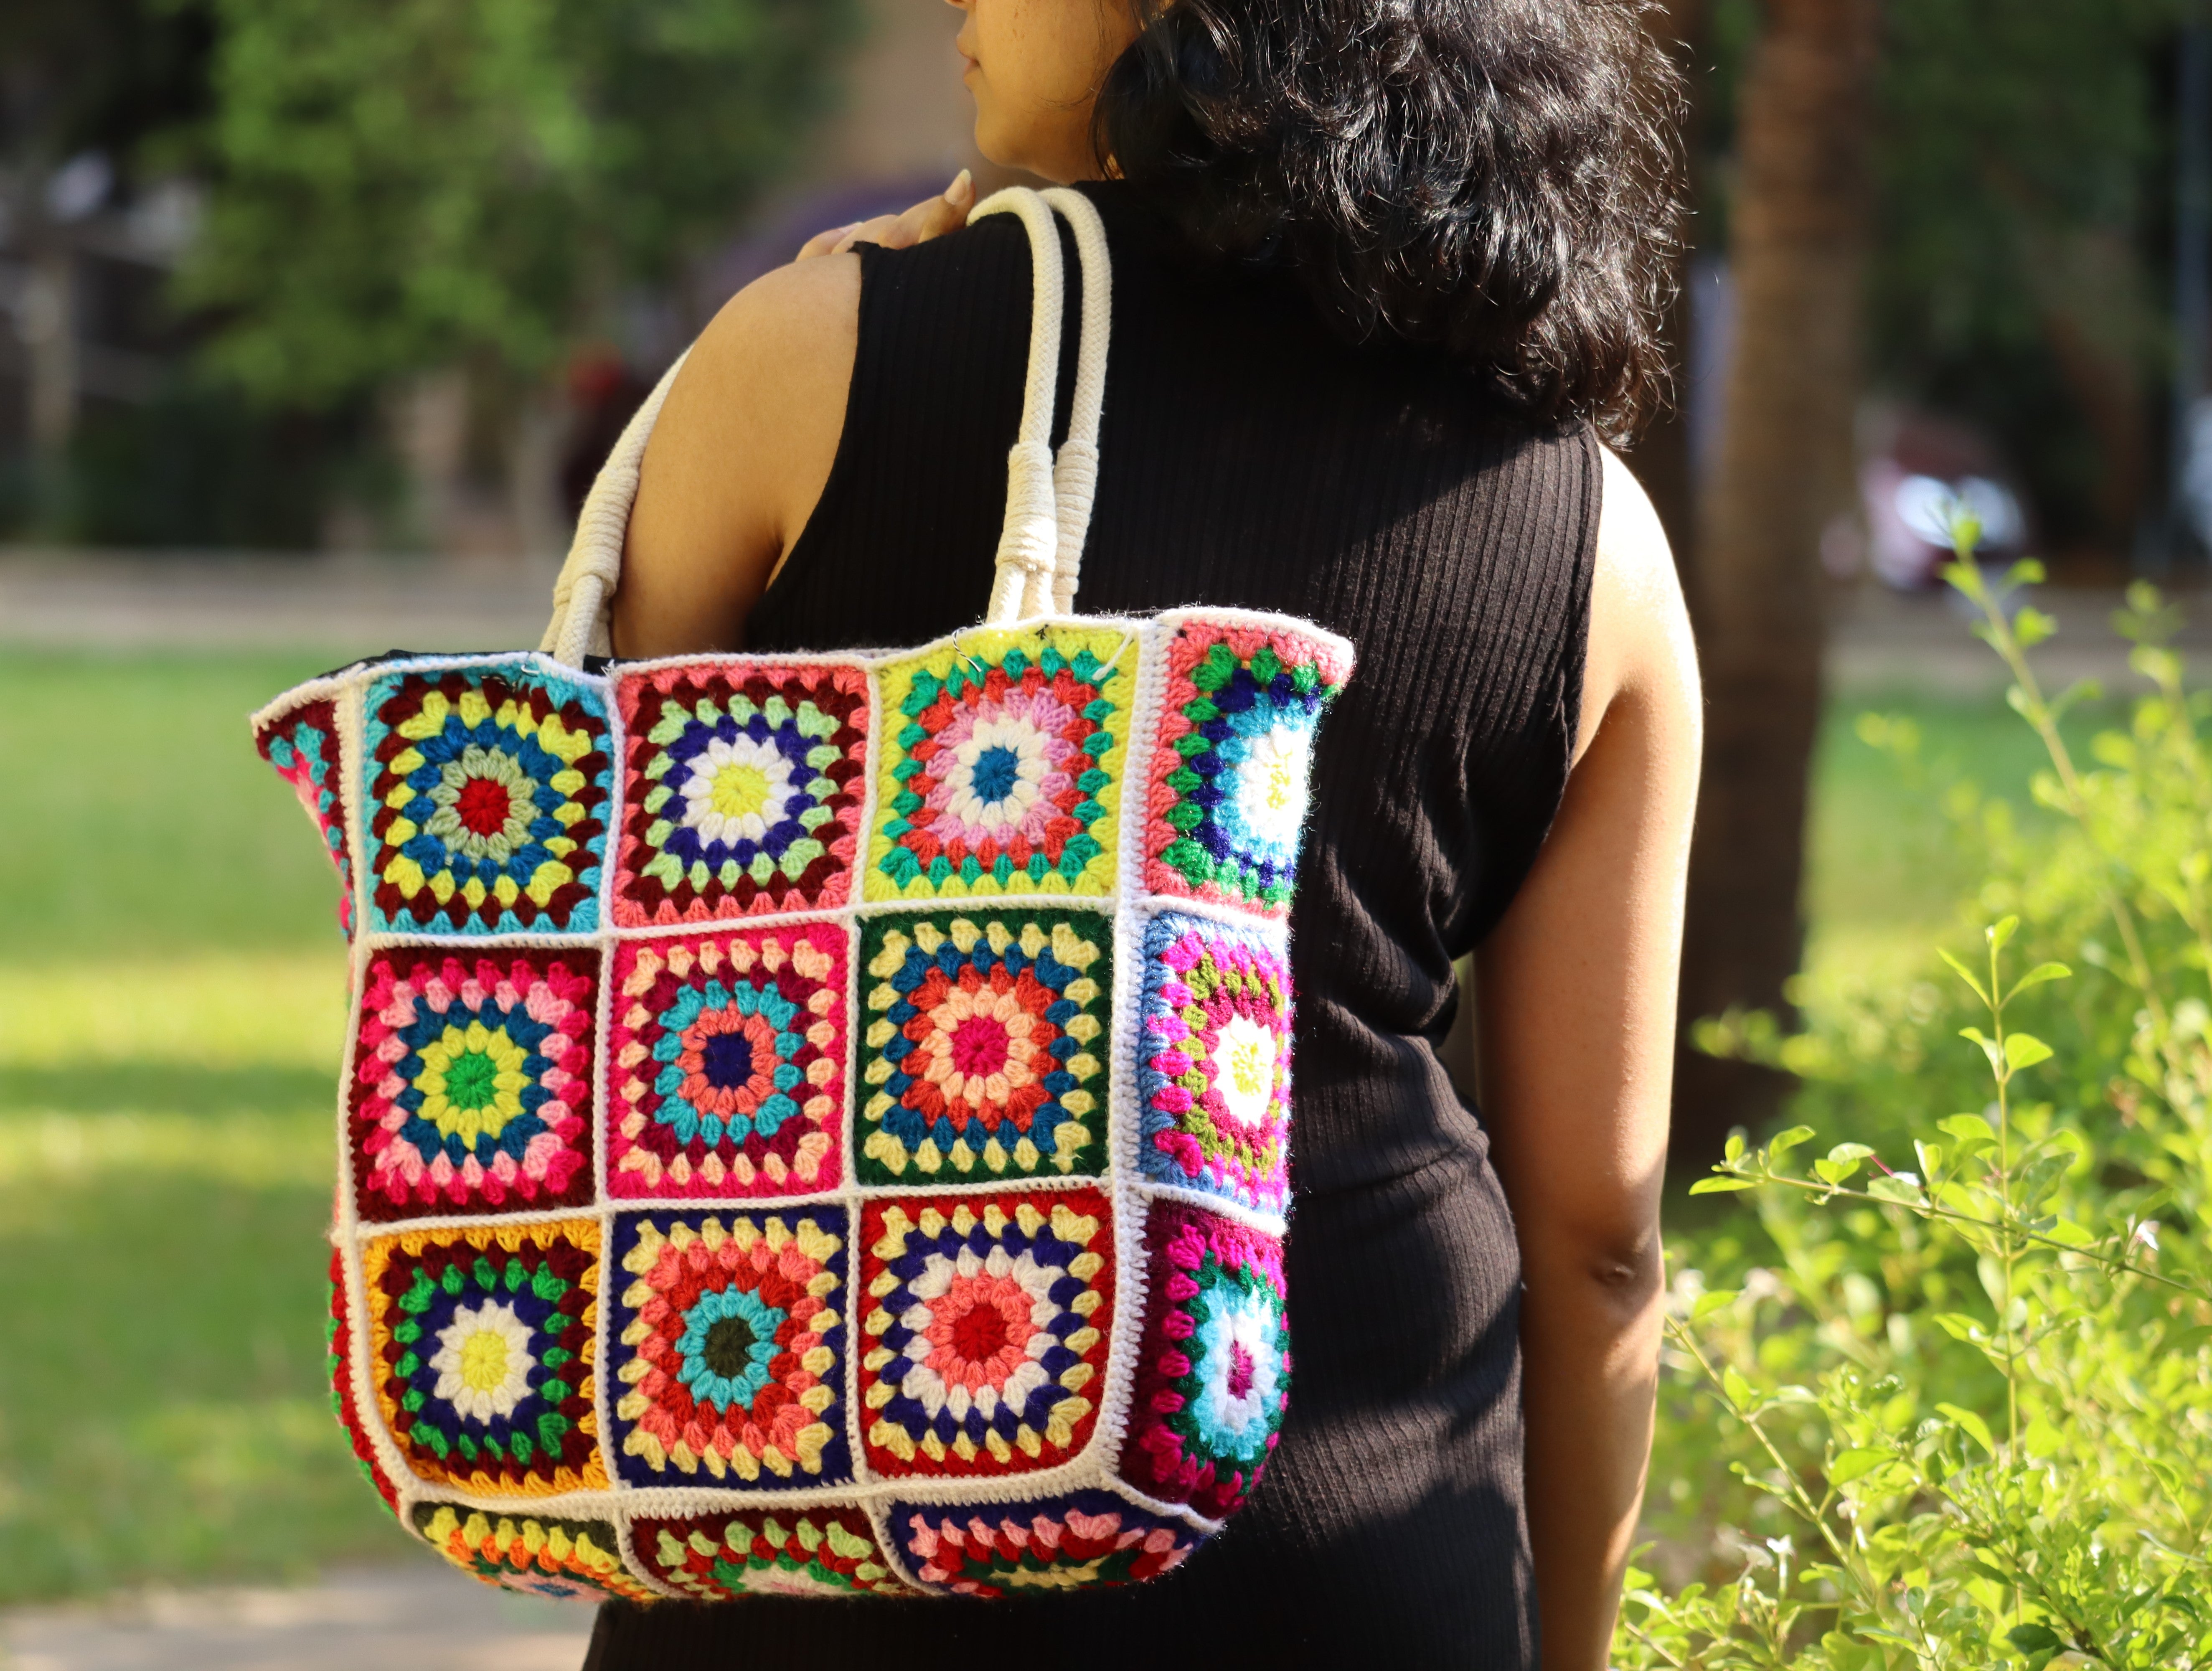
(172,996)
(171,1005)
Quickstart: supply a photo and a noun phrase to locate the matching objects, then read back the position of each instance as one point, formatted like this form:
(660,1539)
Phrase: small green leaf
(2068,1234)
(1732,1152)
(1974,1425)
(1969,1130)
(1893,1190)
(2032,627)
(2034,1638)
(1778,1147)
(1738,1389)
(1965,974)
(1720,1185)
(2025,1050)
(1989,1047)
(1855,1465)
(1708,1303)
(1958,1326)
(2039,973)
(1966,579)
(2000,932)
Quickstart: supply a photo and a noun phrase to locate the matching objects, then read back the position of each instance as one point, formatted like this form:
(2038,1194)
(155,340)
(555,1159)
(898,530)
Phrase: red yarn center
(981,1333)
(483,805)
(1241,1371)
(979,1046)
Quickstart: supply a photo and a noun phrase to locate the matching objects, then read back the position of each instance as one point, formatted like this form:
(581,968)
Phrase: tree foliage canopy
(406,184)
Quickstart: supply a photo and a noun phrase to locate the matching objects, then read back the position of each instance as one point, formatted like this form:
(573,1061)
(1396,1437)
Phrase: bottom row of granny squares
(1076,1542)
(984,1324)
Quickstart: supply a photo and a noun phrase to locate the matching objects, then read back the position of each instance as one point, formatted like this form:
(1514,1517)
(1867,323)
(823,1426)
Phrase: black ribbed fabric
(1251,457)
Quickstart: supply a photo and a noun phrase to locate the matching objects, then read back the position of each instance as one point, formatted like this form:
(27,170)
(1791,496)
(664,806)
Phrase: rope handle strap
(1049,498)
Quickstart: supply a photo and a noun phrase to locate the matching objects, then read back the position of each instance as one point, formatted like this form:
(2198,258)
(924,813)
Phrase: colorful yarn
(472,1081)
(1213,1370)
(843,1162)
(984,1044)
(1214,1059)
(743,791)
(338,1365)
(1005,774)
(302,745)
(483,1341)
(1090,1540)
(1228,777)
(727,1056)
(989,1332)
(566,1559)
(720,1557)
(488,786)
(734,1341)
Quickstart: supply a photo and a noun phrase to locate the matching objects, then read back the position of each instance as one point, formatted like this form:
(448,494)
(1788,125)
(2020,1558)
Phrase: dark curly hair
(1493,178)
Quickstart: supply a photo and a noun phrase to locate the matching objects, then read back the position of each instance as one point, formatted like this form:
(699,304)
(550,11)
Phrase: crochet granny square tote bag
(818,1124)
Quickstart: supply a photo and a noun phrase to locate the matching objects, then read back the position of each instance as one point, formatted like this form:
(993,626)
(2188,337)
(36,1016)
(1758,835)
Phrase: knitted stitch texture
(810,1125)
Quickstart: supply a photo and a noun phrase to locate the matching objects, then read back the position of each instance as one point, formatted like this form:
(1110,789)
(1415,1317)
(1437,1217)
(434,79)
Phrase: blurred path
(418,1617)
(359,605)
(349,605)
(1882,640)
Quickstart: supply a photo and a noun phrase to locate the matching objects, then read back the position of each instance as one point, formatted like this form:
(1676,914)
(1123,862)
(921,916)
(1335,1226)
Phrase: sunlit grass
(171,1000)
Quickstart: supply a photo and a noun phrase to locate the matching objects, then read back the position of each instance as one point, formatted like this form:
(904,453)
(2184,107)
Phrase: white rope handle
(1075,472)
(1028,542)
(586,584)
(1048,500)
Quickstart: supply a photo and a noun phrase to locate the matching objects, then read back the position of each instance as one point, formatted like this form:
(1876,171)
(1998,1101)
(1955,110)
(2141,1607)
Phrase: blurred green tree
(405,185)
(2020,272)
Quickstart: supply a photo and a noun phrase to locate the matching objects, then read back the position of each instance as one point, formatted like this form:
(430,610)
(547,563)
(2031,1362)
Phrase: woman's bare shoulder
(739,457)
(1640,645)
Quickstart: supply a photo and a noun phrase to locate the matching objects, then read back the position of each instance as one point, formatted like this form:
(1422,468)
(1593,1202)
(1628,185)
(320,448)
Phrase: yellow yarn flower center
(740,790)
(483,1361)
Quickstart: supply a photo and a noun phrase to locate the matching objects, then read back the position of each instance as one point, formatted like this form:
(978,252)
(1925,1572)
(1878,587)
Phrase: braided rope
(1075,473)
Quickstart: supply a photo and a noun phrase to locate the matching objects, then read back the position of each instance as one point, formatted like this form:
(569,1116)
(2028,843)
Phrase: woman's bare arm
(745,444)
(1575,993)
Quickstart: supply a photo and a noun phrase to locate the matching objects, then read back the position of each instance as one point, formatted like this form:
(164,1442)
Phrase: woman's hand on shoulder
(745,443)
(933,217)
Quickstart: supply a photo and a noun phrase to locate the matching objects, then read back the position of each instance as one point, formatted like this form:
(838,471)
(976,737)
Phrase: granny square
(480,1340)
(986,1339)
(731,1333)
(338,1364)
(984,1050)
(1214,1060)
(1228,779)
(565,1559)
(722,1556)
(742,792)
(727,1063)
(473,1081)
(302,745)
(1092,1540)
(1213,1367)
(1002,763)
(489,786)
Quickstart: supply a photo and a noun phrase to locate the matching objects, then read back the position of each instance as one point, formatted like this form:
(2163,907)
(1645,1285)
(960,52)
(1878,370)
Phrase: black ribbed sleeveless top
(1251,457)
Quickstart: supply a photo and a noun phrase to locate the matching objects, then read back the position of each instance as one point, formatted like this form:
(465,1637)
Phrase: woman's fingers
(823,243)
(933,217)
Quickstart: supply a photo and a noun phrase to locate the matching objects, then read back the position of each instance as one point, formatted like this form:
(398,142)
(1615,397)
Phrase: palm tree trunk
(1798,225)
